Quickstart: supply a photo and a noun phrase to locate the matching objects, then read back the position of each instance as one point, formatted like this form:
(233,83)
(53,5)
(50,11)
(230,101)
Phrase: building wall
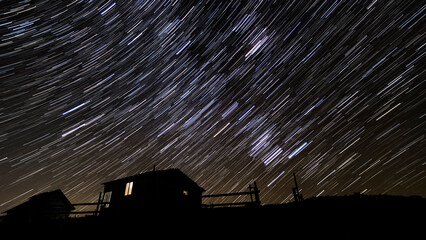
(148,194)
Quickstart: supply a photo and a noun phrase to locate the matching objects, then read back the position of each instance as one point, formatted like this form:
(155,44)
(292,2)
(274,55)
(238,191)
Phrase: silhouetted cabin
(157,190)
(41,207)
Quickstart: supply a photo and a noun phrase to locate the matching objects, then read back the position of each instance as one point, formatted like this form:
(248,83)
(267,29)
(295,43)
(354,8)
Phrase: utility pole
(297,196)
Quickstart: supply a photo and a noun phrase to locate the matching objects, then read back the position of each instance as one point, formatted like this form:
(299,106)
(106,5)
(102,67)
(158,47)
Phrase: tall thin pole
(297,196)
(295,182)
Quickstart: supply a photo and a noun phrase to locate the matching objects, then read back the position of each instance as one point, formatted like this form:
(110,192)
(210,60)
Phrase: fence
(253,193)
(98,204)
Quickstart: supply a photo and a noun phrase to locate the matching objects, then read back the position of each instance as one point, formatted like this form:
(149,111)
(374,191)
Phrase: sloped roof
(46,199)
(172,175)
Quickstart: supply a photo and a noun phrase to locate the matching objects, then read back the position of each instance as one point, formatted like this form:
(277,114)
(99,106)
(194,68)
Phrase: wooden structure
(93,212)
(161,190)
(42,207)
(253,193)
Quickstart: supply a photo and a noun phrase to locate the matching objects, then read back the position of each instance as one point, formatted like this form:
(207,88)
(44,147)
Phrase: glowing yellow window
(129,188)
(185,192)
(107,199)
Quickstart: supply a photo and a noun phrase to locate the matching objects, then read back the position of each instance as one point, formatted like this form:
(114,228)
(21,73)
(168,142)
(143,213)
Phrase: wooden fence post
(256,194)
(99,203)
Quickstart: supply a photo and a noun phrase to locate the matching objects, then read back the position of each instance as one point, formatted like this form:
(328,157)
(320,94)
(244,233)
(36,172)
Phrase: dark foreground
(346,217)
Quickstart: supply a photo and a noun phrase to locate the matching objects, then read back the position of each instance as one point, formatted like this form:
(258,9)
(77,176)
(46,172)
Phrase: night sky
(227,91)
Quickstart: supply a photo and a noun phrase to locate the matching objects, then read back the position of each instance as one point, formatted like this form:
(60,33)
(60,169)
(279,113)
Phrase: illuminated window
(107,199)
(129,188)
(185,192)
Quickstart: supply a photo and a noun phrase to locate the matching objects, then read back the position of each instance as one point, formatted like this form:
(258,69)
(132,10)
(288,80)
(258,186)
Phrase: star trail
(227,91)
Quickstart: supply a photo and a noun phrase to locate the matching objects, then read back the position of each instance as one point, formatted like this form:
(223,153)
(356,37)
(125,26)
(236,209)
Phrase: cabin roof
(43,199)
(167,175)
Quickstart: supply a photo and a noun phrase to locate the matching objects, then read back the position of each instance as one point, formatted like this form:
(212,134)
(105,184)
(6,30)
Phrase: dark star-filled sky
(227,91)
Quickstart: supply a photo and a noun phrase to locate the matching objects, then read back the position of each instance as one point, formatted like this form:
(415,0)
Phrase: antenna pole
(297,196)
(295,182)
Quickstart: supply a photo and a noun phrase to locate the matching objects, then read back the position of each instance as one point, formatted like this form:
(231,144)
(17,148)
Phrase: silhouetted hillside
(355,203)
(332,217)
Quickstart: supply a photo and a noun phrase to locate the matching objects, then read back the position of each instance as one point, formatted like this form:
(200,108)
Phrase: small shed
(44,206)
(160,190)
